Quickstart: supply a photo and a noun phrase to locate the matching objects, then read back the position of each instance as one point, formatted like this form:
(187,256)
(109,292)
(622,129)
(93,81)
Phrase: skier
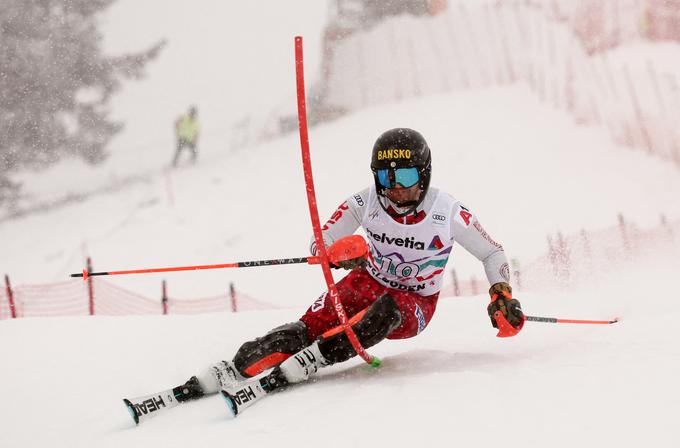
(390,293)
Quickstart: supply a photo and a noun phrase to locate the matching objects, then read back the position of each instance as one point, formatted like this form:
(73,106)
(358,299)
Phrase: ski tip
(131,410)
(230,403)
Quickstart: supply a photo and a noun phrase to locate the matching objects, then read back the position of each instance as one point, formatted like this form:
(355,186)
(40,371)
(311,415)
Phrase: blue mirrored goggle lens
(384,178)
(406,177)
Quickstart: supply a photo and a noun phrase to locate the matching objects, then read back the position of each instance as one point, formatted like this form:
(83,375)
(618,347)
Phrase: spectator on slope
(391,290)
(187,130)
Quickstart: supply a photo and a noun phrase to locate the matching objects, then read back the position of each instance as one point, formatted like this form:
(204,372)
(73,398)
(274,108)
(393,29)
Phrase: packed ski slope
(523,168)
(454,385)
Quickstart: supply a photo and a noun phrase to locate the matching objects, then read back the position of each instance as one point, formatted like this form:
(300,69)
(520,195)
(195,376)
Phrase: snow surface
(525,169)
(453,385)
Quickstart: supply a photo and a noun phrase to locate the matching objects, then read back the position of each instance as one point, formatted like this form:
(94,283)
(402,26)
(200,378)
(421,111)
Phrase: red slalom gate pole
(313,210)
(239,264)
(10,297)
(555,320)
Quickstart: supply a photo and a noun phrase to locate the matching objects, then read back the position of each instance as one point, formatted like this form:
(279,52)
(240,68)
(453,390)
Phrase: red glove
(349,252)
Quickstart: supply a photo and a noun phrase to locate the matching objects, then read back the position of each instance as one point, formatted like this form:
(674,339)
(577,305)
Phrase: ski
(247,393)
(244,395)
(238,398)
(148,406)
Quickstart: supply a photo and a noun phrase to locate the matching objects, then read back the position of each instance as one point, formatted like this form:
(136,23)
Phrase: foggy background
(555,122)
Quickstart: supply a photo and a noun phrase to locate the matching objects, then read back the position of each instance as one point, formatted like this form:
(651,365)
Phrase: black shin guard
(380,319)
(287,339)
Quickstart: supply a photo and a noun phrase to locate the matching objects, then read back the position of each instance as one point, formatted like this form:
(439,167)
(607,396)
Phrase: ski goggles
(406,177)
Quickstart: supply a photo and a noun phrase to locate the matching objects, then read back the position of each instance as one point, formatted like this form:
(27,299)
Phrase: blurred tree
(55,84)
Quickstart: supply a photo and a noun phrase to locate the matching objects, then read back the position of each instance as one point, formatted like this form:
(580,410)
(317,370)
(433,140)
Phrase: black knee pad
(380,319)
(287,339)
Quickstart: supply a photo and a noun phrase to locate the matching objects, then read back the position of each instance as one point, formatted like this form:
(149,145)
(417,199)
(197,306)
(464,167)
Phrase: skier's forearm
(480,244)
(497,268)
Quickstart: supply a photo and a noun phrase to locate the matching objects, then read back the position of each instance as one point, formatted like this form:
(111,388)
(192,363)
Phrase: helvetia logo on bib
(409,242)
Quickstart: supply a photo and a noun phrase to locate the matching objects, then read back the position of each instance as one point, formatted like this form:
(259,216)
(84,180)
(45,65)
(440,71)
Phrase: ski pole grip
(505,330)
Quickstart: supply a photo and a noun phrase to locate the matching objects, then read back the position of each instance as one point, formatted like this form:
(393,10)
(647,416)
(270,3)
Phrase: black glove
(501,300)
(354,263)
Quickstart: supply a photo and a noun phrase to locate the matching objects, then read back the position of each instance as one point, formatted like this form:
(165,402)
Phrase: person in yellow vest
(186,130)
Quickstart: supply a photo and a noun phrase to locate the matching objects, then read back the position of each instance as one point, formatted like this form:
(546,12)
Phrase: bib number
(400,268)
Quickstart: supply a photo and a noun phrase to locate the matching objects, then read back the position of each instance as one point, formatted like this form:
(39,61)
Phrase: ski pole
(555,320)
(239,264)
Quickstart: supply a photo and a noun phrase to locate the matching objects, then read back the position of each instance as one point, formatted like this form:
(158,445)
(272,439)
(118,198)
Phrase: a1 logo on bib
(464,216)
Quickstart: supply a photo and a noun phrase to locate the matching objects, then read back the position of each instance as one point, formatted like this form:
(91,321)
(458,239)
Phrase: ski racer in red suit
(392,292)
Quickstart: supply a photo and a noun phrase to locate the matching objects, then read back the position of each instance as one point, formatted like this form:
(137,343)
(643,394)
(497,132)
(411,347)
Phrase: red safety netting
(581,257)
(587,255)
(72,298)
(216,304)
(564,51)
(112,300)
(67,298)
(220,303)
(245,302)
